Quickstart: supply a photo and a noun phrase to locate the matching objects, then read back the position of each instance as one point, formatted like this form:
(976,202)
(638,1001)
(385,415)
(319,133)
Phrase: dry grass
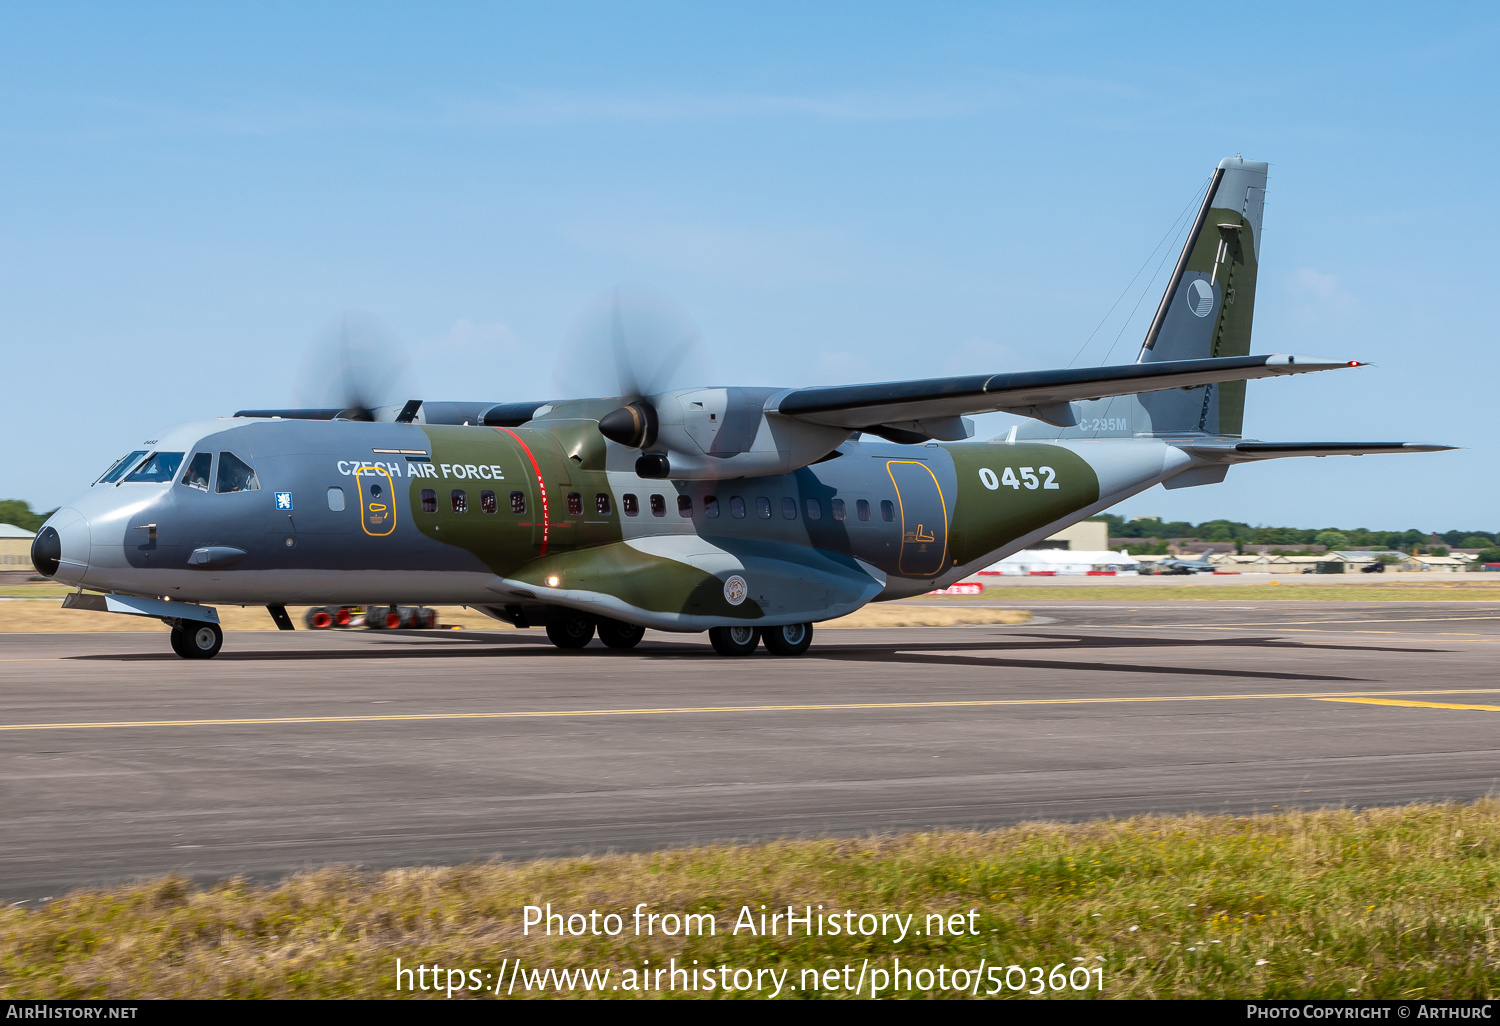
(1277,589)
(894,615)
(1385,903)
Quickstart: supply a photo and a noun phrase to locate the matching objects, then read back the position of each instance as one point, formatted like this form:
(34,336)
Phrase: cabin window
(460,501)
(838,509)
(737,507)
(711,507)
(887,510)
(119,466)
(658,506)
(763,508)
(814,509)
(862,509)
(631,503)
(488,503)
(518,502)
(336,499)
(684,505)
(788,509)
(197,472)
(235,475)
(575,504)
(429,500)
(159,467)
(601,504)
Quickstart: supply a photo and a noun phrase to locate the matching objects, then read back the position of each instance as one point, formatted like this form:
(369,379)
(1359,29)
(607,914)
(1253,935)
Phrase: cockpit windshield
(159,467)
(196,475)
(119,467)
(235,475)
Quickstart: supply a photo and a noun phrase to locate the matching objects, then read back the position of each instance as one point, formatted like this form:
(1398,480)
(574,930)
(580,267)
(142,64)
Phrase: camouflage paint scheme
(665,570)
(775,513)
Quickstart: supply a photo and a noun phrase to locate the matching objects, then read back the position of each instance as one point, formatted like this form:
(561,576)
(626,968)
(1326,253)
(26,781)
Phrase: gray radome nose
(61,548)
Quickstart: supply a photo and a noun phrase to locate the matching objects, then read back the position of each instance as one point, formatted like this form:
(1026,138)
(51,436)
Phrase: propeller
(356,365)
(633,342)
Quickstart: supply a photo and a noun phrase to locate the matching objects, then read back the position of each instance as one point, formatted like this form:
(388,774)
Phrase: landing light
(554,581)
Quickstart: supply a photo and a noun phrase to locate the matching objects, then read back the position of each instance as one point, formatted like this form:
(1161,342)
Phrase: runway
(289,751)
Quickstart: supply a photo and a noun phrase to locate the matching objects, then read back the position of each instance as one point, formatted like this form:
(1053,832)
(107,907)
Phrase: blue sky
(190,193)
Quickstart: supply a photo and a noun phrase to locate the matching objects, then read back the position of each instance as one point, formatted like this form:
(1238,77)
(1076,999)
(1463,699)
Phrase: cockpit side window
(196,475)
(159,467)
(235,475)
(119,466)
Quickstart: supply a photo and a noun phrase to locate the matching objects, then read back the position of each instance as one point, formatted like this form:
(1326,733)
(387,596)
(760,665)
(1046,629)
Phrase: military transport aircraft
(750,513)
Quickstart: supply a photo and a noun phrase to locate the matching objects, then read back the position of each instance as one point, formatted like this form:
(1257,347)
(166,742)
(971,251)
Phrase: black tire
(734,641)
(197,639)
(620,635)
(789,640)
(319,618)
(570,631)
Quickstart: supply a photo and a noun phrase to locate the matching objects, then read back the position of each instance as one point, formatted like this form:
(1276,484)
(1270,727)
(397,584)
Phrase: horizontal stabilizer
(1030,393)
(1247,452)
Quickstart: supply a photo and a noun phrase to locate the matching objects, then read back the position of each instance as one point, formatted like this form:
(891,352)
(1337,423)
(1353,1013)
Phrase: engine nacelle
(710,434)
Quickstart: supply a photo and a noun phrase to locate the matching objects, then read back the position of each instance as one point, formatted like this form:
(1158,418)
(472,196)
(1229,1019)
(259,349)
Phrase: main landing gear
(578,631)
(573,632)
(788,640)
(197,639)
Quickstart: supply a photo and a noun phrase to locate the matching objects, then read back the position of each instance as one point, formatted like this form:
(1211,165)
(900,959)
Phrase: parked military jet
(751,513)
(1173,565)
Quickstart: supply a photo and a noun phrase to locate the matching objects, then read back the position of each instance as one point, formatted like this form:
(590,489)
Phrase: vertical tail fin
(1206,311)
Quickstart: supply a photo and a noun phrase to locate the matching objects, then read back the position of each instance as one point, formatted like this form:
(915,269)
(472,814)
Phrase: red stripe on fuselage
(546,520)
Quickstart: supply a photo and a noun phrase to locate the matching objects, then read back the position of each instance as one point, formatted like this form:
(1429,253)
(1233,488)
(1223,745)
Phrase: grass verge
(1384,903)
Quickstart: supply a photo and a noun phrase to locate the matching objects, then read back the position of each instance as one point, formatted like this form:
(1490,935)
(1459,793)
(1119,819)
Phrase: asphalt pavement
(119,760)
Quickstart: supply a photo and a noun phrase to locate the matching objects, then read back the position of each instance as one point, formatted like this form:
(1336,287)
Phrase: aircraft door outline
(924,524)
(377,501)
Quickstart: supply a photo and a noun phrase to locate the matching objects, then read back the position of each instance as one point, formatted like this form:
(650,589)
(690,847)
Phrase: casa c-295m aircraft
(750,513)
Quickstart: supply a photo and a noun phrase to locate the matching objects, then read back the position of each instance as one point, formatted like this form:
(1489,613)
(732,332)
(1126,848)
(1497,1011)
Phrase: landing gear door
(924,518)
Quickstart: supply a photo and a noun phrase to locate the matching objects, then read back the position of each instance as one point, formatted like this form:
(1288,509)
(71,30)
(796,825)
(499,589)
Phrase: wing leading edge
(931,407)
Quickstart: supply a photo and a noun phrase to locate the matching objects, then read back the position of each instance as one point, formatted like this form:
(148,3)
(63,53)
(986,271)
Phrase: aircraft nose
(61,548)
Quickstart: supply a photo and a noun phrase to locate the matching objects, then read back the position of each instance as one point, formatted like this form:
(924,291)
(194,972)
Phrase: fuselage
(268,512)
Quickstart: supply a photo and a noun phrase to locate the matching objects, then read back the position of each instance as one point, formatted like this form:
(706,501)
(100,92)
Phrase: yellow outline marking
(1413,705)
(669,710)
(366,506)
(942,500)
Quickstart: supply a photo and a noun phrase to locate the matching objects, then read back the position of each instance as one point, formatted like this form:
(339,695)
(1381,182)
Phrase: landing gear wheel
(790,640)
(197,640)
(734,641)
(570,632)
(620,635)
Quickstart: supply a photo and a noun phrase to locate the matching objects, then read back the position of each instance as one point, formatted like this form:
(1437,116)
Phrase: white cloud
(1317,298)
(742,254)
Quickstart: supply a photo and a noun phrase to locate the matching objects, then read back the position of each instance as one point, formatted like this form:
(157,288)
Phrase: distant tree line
(1153,534)
(17,512)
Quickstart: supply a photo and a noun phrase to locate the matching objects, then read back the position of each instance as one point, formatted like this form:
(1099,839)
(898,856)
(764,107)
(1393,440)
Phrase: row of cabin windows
(631,504)
(488,502)
(813,507)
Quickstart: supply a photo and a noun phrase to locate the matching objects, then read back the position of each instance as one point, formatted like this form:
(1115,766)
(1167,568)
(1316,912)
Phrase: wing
(931,407)
(1249,452)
